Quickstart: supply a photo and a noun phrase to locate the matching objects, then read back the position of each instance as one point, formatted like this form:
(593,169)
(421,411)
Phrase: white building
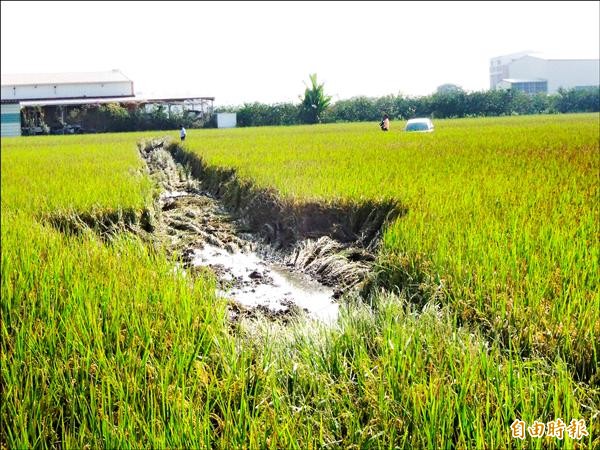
(57,87)
(531,74)
(66,85)
(226,120)
(70,90)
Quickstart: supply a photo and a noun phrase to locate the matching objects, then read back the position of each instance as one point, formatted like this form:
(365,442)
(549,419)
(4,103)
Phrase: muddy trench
(296,271)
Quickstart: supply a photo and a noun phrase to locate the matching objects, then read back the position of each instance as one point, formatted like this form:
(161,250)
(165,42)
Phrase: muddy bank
(333,243)
(284,224)
(197,227)
(267,255)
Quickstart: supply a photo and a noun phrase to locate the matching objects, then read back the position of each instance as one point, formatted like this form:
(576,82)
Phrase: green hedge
(453,104)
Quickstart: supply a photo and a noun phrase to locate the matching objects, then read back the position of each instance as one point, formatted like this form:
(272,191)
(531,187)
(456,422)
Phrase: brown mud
(268,255)
(271,258)
(284,224)
(336,243)
(198,228)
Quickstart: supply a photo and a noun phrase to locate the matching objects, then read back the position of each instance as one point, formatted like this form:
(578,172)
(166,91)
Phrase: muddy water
(253,281)
(197,227)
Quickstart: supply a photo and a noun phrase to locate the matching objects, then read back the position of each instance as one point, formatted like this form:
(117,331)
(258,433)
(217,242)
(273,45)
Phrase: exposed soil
(334,243)
(270,258)
(266,254)
(196,226)
(285,224)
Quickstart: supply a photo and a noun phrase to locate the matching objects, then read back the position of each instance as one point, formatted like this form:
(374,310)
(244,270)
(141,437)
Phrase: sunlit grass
(84,173)
(502,212)
(104,344)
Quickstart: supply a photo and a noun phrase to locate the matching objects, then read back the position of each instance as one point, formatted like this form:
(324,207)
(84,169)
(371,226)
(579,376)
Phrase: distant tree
(577,100)
(448,104)
(448,88)
(356,109)
(315,102)
(114,117)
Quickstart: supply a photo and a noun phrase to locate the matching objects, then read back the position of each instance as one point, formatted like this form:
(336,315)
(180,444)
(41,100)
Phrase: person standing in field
(182,133)
(385,123)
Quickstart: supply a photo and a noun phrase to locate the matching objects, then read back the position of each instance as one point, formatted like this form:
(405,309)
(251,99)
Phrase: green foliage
(449,103)
(315,101)
(116,117)
(33,121)
(457,103)
(483,218)
(358,109)
(583,100)
(259,114)
(105,345)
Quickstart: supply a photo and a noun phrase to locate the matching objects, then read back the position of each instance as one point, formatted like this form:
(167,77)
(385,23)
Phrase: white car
(422,124)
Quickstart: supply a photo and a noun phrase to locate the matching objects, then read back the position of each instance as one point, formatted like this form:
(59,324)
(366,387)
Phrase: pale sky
(264,51)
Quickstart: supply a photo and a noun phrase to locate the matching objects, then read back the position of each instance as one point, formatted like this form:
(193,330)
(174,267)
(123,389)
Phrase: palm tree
(314,102)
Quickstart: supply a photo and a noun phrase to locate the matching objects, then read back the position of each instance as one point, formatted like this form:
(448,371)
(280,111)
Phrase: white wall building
(66,85)
(70,90)
(226,120)
(17,88)
(532,74)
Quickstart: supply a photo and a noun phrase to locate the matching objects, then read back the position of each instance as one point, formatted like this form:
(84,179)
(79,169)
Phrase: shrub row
(455,104)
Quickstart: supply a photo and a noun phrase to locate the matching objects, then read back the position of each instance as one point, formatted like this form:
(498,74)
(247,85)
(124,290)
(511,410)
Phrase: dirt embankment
(198,228)
(184,216)
(334,243)
(265,252)
(284,224)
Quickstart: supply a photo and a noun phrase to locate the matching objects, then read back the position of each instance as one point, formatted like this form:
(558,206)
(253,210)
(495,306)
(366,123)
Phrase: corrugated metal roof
(76,101)
(189,98)
(25,79)
(98,100)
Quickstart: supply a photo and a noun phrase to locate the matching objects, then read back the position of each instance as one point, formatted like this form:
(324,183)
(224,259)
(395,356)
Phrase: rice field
(483,309)
(503,213)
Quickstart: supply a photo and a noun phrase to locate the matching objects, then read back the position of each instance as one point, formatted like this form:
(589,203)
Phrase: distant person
(182,134)
(385,123)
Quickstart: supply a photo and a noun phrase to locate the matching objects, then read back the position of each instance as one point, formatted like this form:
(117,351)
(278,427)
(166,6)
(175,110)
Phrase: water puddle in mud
(173,194)
(197,226)
(252,281)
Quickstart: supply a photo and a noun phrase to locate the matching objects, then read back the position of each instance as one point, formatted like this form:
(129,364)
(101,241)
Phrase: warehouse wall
(68,90)
(11,120)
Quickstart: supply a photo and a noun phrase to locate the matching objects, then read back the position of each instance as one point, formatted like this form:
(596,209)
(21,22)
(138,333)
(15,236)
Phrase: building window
(531,87)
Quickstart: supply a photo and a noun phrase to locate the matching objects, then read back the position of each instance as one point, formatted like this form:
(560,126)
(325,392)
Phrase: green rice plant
(80,173)
(105,344)
(502,214)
